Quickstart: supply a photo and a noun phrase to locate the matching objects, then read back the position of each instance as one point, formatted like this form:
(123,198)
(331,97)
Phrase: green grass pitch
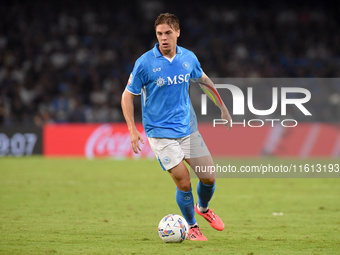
(104,206)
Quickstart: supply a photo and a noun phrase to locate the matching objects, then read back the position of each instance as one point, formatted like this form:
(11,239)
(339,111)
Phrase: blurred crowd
(69,62)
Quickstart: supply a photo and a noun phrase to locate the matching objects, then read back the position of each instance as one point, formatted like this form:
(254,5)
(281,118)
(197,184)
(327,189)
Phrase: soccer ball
(173,228)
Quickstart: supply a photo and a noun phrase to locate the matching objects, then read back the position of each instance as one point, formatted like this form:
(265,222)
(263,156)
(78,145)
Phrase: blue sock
(185,201)
(205,193)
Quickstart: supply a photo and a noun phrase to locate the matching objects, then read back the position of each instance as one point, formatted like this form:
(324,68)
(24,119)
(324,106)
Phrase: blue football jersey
(164,87)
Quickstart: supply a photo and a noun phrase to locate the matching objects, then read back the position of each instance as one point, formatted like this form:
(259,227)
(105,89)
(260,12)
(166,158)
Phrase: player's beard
(166,50)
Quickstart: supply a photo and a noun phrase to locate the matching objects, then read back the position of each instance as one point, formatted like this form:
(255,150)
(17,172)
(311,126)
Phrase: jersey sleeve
(197,71)
(136,79)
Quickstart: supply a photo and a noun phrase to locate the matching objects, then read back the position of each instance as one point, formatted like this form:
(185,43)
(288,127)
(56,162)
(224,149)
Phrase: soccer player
(162,76)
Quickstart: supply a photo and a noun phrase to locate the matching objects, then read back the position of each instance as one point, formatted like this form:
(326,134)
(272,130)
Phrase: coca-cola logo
(104,141)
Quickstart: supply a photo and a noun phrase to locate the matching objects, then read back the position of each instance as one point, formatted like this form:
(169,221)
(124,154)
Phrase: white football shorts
(171,151)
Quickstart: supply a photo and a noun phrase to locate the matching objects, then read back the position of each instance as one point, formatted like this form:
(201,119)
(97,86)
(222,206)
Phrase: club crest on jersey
(185,65)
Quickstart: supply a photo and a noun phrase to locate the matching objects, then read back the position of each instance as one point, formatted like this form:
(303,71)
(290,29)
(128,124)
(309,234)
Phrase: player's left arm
(209,89)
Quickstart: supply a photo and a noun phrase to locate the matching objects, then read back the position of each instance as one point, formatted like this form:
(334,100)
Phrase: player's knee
(208,181)
(184,186)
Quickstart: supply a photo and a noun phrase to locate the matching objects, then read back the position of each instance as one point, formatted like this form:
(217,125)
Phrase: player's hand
(226,116)
(135,137)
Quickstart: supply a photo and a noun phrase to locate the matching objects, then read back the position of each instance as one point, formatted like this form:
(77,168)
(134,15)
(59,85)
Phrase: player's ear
(178,32)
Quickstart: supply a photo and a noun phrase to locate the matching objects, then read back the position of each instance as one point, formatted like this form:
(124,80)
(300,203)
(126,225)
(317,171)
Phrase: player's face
(167,38)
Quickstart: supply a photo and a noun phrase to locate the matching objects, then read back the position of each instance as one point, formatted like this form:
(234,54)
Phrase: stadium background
(62,62)
(63,67)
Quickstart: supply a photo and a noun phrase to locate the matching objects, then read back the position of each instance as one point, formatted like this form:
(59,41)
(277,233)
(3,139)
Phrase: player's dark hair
(168,18)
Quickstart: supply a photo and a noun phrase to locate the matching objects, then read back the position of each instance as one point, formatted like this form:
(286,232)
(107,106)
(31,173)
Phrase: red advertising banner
(113,140)
(92,140)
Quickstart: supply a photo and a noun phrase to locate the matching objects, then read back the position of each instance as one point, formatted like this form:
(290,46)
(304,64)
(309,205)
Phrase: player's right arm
(128,111)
